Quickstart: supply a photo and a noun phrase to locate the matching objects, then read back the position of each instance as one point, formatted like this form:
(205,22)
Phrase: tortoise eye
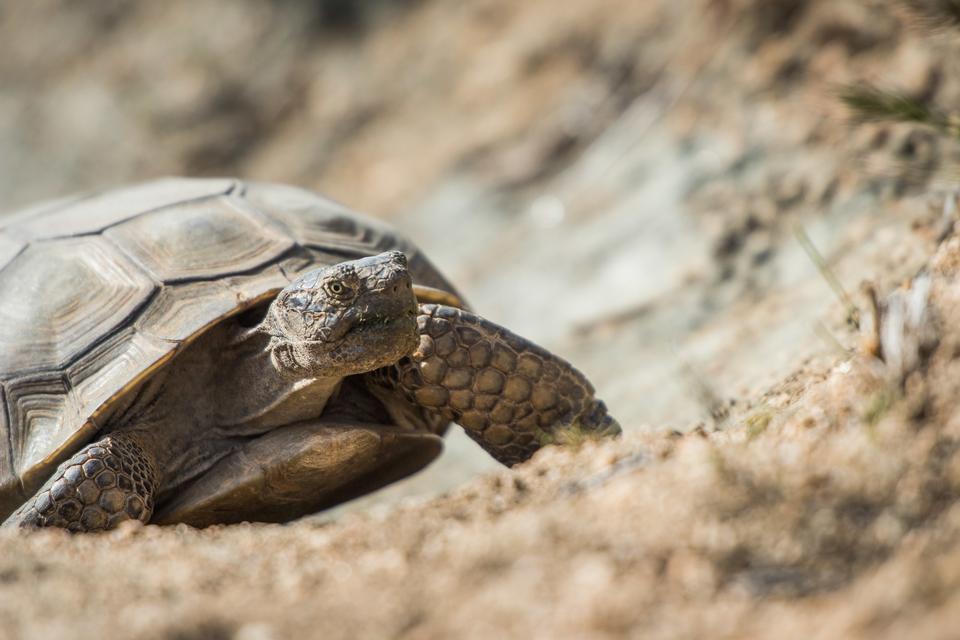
(338,289)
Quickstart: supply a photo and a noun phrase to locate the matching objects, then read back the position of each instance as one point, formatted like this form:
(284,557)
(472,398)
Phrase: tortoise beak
(298,470)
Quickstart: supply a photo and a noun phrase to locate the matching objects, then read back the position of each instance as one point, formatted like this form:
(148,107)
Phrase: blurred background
(620,180)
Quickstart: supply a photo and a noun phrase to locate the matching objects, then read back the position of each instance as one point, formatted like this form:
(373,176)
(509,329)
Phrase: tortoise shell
(98,292)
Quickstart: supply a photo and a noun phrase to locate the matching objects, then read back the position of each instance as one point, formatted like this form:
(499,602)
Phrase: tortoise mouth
(372,326)
(383,324)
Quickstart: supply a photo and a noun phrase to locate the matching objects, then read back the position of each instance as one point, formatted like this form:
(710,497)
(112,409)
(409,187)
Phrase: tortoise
(213,351)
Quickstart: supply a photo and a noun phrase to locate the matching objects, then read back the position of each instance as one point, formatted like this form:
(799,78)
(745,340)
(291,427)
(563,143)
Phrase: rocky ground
(624,182)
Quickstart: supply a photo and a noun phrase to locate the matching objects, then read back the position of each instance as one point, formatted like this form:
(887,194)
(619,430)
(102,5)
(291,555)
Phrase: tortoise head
(345,319)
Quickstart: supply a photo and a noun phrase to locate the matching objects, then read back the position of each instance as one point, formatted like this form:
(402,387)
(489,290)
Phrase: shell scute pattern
(200,240)
(62,297)
(81,215)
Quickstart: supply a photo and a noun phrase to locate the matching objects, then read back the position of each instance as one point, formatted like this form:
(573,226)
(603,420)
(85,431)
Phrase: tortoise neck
(257,396)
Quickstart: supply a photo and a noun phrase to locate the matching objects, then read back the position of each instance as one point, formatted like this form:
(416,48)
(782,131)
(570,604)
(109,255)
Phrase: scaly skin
(106,483)
(509,394)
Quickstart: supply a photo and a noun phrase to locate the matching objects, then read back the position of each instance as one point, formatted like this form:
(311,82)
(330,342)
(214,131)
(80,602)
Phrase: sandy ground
(829,511)
(620,181)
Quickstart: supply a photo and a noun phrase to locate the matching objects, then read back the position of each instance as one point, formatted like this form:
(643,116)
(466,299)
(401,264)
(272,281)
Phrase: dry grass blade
(853,314)
(869,103)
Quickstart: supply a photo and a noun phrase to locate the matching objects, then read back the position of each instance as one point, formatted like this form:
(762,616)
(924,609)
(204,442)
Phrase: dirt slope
(621,181)
(829,511)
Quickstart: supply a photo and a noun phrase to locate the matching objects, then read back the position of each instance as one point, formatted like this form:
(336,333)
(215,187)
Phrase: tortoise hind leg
(106,483)
(510,395)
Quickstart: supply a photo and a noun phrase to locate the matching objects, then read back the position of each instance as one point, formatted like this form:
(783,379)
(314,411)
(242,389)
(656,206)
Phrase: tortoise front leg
(106,483)
(509,395)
